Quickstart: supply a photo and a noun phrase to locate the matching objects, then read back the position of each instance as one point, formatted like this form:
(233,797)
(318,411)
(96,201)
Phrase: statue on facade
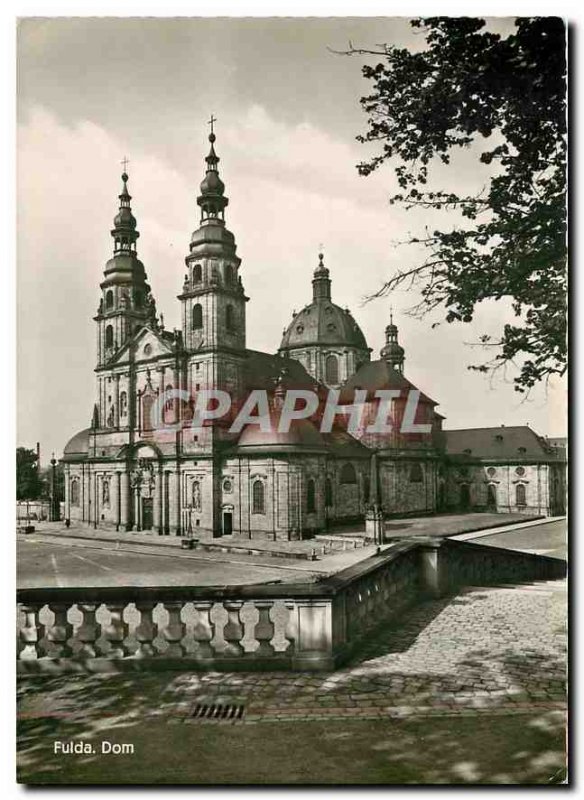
(105,493)
(196,496)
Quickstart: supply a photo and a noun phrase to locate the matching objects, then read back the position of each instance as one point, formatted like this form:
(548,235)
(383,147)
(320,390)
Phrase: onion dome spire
(212,200)
(392,351)
(321,282)
(124,231)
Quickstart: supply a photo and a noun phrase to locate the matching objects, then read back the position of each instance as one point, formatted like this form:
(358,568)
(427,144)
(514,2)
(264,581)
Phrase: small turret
(392,351)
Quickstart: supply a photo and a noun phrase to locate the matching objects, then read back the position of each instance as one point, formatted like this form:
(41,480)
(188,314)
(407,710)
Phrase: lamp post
(54,511)
(374,520)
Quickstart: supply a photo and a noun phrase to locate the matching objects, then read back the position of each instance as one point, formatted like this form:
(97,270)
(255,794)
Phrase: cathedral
(127,473)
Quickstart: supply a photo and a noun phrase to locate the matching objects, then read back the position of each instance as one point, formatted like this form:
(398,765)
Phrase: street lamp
(54,511)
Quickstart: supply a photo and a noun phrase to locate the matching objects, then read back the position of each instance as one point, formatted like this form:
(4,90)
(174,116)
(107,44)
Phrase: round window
(520,471)
(227,485)
(300,328)
(491,472)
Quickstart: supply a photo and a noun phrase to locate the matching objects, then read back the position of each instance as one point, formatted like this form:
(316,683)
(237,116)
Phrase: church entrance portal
(147,514)
(227,523)
(464,496)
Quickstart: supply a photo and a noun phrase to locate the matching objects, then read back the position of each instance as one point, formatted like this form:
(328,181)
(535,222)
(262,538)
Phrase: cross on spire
(211,121)
(124,162)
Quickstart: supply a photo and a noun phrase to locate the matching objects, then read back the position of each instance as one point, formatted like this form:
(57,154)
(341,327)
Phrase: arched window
(258,498)
(348,474)
(229,275)
(74,493)
(520,495)
(109,299)
(197,273)
(109,336)
(328,493)
(311,496)
(123,404)
(196,492)
(331,369)
(147,403)
(168,403)
(197,316)
(416,473)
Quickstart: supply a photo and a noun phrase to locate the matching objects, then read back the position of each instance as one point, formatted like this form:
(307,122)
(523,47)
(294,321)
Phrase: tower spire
(211,200)
(124,232)
(392,351)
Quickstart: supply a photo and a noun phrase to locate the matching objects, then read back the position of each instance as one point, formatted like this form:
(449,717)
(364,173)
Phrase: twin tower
(324,337)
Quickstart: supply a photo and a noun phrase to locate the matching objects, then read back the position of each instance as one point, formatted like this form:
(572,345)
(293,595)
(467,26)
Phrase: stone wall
(496,486)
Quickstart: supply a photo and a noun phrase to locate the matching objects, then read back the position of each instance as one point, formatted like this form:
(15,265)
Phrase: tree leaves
(468,85)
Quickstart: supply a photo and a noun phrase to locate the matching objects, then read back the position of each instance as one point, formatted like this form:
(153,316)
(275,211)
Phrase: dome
(212,184)
(125,261)
(212,239)
(78,445)
(392,350)
(124,218)
(212,234)
(302,435)
(323,323)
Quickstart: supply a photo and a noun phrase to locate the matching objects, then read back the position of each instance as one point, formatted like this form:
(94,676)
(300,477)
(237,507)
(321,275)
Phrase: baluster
(146,631)
(89,631)
(233,630)
(31,632)
(117,631)
(60,631)
(264,629)
(291,628)
(203,629)
(175,630)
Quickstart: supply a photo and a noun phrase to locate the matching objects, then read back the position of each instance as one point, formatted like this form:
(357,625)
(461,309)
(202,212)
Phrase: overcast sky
(91,91)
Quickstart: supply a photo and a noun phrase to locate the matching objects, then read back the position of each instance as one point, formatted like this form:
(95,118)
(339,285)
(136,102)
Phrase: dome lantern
(321,283)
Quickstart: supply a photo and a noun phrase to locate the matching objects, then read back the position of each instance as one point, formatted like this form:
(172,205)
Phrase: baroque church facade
(123,472)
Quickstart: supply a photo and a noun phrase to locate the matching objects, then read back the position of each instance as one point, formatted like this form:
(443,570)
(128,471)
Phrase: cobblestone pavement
(500,648)
(495,650)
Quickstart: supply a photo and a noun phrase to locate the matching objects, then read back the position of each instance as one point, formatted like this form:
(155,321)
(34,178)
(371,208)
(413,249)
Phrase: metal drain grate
(218,711)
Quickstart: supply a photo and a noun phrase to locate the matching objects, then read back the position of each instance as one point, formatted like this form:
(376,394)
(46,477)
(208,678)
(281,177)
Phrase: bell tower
(213,299)
(126,304)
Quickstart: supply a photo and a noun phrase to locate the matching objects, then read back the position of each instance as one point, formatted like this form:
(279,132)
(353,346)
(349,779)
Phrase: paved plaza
(80,556)
(486,667)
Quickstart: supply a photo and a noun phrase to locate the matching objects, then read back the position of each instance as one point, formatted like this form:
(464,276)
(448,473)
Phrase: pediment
(145,345)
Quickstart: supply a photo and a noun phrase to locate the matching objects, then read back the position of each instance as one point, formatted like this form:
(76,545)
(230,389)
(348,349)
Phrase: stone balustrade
(269,626)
